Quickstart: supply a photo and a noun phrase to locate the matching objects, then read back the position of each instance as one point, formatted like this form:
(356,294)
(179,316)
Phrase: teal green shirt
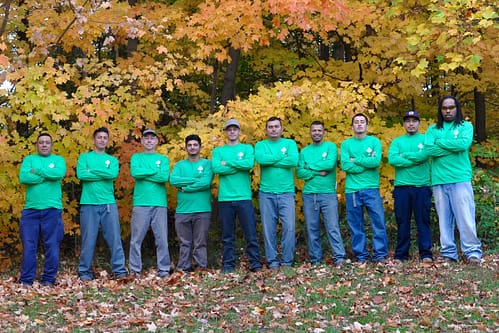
(150,171)
(363,172)
(277,160)
(408,155)
(449,148)
(42,176)
(234,176)
(194,178)
(97,173)
(313,160)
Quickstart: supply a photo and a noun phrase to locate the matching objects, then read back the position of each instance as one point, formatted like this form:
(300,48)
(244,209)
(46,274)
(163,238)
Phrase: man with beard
(448,143)
(317,166)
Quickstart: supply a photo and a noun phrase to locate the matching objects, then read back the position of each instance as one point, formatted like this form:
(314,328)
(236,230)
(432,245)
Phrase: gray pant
(142,218)
(192,231)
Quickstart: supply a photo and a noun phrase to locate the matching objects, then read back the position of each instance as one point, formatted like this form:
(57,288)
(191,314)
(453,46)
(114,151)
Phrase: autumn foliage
(68,67)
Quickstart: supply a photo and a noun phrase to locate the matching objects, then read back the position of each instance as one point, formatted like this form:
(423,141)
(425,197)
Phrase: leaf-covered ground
(413,298)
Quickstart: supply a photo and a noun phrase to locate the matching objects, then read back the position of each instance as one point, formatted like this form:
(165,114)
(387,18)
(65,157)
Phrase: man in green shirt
(233,163)
(360,159)
(412,193)
(151,171)
(192,177)
(278,158)
(448,143)
(97,171)
(42,174)
(317,166)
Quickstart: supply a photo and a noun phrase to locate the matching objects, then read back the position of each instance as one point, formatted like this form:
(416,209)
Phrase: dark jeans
(409,199)
(48,222)
(243,209)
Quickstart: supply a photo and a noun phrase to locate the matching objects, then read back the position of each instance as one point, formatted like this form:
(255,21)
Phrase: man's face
(193,147)
(44,145)
(274,129)
(411,125)
(317,133)
(232,133)
(101,139)
(149,141)
(359,125)
(449,110)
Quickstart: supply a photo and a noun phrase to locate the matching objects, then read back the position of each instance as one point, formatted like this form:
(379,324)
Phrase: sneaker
(164,275)
(427,260)
(445,260)
(340,263)
(474,261)
(135,275)
(398,262)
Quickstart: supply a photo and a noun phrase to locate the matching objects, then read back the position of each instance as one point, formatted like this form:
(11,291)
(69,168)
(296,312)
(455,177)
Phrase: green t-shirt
(363,172)
(277,161)
(97,172)
(313,160)
(449,149)
(408,155)
(194,178)
(234,176)
(150,171)
(43,185)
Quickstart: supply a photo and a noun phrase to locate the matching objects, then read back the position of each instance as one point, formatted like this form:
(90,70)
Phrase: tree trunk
(213,98)
(229,88)
(480,118)
(3,26)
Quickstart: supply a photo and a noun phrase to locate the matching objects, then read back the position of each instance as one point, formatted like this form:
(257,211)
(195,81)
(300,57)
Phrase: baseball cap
(149,131)
(411,114)
(231,122)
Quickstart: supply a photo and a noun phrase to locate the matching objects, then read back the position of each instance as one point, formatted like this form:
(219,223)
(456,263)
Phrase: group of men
(437,162)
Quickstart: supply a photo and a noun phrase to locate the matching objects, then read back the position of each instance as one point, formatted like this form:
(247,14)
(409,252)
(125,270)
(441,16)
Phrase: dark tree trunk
(229,88)
(214,85)
(480,118)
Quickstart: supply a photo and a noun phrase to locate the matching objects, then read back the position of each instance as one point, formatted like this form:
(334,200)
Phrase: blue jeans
(313,206)
(272,208)
(192,231)
(49,223)
(228,211)
(409,199)
(106,216)
(157,219)
(355,202)
(455,202)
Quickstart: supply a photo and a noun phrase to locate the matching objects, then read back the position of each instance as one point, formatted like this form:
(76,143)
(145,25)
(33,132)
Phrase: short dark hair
(43,134)
(273,118)
(317,122)
(194,137)
(101,129)
(361,115)
(459,114)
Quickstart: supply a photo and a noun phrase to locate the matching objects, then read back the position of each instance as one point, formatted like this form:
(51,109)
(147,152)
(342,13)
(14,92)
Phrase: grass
(412,298)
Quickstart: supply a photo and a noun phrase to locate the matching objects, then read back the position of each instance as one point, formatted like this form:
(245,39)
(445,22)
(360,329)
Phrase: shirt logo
(456,133)
(51,165)
(158,163)
(370,152)
(324,155)
(240,155)
(200,169)
(283,150)
(108,163)
(420,146)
